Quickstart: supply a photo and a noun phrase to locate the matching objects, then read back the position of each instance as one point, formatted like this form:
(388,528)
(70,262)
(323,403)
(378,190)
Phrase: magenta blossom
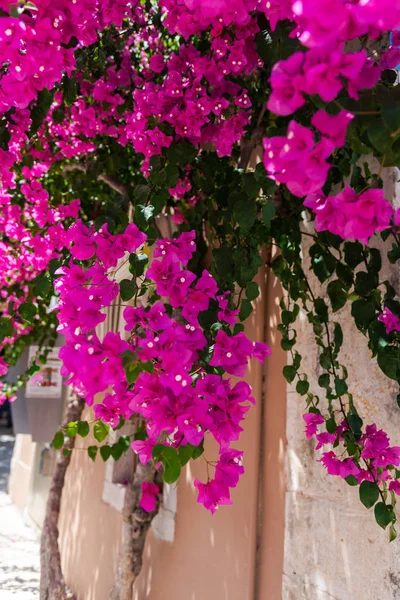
(148,500)
(212,494)
(390,320)
(312,421)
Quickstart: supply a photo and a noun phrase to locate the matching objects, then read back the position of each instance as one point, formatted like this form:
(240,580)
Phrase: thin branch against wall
(52,584)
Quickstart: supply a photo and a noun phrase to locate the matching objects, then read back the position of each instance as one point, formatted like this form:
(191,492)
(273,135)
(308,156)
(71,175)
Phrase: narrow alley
(19,543)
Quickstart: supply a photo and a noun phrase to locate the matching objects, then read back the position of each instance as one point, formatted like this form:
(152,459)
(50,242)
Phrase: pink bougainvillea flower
(312,421)
(333,127)
(390,320)
(212,495)
(148,501)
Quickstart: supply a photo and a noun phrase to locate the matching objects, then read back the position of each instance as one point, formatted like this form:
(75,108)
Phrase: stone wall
(334,550)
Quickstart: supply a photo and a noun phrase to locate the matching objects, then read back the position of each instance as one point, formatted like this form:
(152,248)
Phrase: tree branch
(136,524)
(52,584)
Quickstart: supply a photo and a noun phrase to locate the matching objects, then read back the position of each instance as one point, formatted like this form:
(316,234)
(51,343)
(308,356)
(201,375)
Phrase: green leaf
(302,387)
(260,174)
(379,136)
(5,136)
(394,254)
(245,212)
(170,461)
(117,451)
(351,480)
(324,380)
(27,311)
(198,450)
(172,471)
(245,310)
(70,90)
(40,110)
(268,212)
(345,274)
(133,368)
(100,431)
(159,199)
(351,448)
(252,291)
(375,261)
(127,289)
(34,368)
(223,262)
(363,312)
(105,452)
(172,175)
(355,423)
(353,254)
(251,185)
(92,452)
(182,154)
(138,263)
(141,194)
(392,533)
(365,283)
(289,373)
(384,514)
(58,115)
(337,337)
(340,386)
(58,440)
(157,452)
(321,309)
(369,493)
(185,454)
(322,263)
(391,116)
(6,328)
(83,428)
(331,425)
(337,295)
(389,361)
(71,429)
(42,286)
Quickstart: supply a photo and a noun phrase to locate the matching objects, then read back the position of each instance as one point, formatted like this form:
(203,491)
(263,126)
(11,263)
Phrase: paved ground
(19,544)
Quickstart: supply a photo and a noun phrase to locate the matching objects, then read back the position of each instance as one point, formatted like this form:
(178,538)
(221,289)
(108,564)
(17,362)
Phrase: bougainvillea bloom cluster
(139,101)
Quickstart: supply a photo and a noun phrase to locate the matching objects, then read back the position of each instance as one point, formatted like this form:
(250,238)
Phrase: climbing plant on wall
(114,114)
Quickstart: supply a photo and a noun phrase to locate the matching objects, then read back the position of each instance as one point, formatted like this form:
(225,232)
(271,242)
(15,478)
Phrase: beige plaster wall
(334,550)
(232,555)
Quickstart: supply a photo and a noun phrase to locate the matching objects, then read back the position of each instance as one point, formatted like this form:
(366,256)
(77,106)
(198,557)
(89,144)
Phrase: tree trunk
(52,585)
(136,523)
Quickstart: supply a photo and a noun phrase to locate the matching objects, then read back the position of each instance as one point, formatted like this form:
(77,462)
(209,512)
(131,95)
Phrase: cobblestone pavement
(19,544)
